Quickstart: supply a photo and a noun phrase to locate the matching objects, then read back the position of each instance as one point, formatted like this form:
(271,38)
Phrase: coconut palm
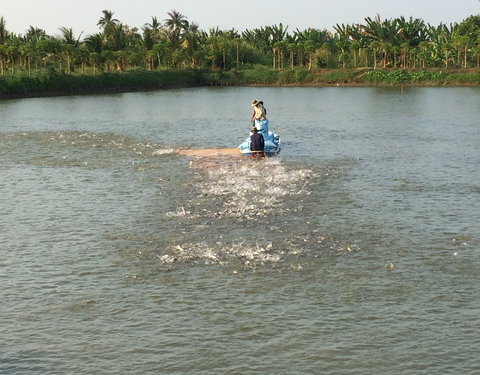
(148,38)
(94,43)
(70,45)
(107,20)
(152,33)
(68,36)
(3,58)
(34,34)
(161,51)
(12,53)
(118,37)
(96,60)
(155,26)
(108,25)
(3,30)
(191,43)
(176,24)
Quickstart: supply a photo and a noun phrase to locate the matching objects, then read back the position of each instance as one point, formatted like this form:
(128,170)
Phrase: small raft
(272,140)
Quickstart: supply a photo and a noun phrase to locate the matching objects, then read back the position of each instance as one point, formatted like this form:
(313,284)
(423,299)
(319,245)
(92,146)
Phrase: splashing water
(254,189)
(246,193)
(249,257)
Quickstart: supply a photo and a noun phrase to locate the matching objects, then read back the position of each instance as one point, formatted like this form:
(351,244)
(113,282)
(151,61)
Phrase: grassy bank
(49,84)
(348,77)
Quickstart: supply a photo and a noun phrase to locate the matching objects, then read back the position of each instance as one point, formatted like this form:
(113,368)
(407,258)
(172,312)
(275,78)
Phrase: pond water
(356,250)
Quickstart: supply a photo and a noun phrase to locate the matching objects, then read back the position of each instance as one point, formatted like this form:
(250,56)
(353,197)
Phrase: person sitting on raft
(257,144)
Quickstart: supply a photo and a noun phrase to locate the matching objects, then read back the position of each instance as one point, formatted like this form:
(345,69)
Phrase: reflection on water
(355,250)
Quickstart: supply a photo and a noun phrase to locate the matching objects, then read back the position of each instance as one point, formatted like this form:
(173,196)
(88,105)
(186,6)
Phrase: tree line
(176,43)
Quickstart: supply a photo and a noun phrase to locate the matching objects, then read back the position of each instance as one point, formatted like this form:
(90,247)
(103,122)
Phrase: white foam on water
(255,188)
(250,190)
(164,151)
(180,212)
(222,254)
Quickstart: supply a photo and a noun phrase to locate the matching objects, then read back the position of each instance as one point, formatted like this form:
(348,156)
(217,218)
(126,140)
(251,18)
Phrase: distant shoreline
(44,85)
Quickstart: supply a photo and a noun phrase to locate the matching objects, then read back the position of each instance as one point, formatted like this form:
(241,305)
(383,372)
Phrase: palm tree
(411,34)
(68,36)
(108,24)
(34,34)
(83,57)
(95,59)
(440,38)
(3,49)
(161,50)
(94,43)
(118,37)
(3,30)
(191,44)
(342,40)
(148,38)
(155,28)
(291,47)
(12,52)
(276,53)
(277,40)
(176,24)
(107,20)
(48,49)
(108,56)
(151,33)
(259,39)
(70,44)
(213,42)
(467,36)
(384,33)
(24,54)
(310,41)
(176,21)
(3,57)
(277,33)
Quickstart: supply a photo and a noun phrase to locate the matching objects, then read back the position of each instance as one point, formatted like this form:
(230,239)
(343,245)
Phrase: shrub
(398,76)
(260,74)
(339,76)
(303,75)
(375,76)
(286,76)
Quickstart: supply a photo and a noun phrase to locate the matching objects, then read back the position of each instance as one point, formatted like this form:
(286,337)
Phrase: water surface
(355,251)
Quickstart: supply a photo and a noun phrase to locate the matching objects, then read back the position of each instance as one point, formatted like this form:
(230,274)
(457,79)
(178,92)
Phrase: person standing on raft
(259,111)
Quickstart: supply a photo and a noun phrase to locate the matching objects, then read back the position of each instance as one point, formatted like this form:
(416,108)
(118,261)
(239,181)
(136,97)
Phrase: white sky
(83,15)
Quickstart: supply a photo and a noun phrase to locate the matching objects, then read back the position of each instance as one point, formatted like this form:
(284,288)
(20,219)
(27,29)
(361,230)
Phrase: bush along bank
(422,77)
(49,84)
(263,76)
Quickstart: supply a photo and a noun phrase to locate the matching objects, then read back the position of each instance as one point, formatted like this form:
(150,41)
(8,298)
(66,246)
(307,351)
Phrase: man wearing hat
(259,112)
(257,144)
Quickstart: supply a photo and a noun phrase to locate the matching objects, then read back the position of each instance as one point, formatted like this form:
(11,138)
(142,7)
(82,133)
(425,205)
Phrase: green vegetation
(176,52)
(55,84)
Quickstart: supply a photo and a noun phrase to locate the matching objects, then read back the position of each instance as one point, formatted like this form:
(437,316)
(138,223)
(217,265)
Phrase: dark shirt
(256,142)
